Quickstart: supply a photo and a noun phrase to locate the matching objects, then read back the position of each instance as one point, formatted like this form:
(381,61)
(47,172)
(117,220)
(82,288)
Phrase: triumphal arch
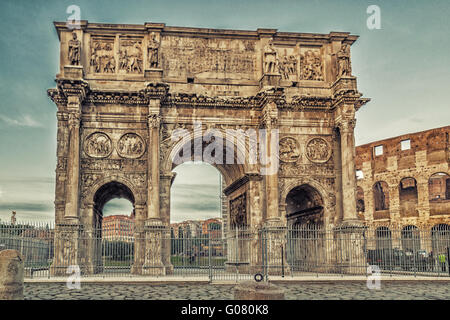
(134,101)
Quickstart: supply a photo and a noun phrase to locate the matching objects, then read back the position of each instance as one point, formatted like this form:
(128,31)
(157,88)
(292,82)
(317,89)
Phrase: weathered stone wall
(417,196)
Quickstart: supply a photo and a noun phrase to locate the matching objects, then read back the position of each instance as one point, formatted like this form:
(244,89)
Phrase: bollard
(251,290)
(11,275)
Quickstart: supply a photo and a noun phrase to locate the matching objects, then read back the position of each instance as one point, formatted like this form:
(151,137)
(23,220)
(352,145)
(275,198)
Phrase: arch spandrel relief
(318,150)
(289,150)
(131,146)
(98,145)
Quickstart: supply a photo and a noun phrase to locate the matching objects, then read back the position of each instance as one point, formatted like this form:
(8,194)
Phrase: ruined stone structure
(403,183)
(123,90)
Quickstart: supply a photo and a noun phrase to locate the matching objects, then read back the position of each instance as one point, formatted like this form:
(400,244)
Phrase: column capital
(74,119)
(346,125)
(154,120)
(73,88)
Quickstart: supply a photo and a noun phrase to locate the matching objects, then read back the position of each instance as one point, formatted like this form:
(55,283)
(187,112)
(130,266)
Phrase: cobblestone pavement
(298,291)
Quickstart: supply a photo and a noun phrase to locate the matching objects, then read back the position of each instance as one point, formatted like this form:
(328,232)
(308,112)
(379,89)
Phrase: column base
(350,246)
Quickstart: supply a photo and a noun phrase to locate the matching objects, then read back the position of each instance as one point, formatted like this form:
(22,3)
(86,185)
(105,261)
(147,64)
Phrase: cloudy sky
(403,67)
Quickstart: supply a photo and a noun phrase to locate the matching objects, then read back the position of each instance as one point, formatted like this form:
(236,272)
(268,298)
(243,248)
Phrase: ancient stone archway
(278,98)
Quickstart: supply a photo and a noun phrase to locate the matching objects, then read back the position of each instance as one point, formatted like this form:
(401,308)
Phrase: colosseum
(403,186)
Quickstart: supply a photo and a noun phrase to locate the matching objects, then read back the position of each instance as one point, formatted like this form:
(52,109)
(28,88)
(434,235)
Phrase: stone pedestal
(11,275)
(251,290)
(66,251)
(154,233)
(274,248)
(350,245)
(269,80)
(155,75)
(73,72)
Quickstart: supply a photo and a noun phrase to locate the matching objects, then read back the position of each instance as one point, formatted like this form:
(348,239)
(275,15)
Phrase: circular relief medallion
(289,149)
(98,145)
(318,150)
(130,145)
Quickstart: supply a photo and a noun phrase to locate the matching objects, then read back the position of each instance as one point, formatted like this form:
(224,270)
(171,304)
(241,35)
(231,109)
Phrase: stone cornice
(117,97)
(172,100)
(208,32)
(241,181)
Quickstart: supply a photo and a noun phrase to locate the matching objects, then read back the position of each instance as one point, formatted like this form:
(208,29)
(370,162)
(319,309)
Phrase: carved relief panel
(131,146)
(208,58)
(130,56)
(288,64)
(98,145)
(102,55)
(318,150)
(238,211)
(289,150)
(311,64)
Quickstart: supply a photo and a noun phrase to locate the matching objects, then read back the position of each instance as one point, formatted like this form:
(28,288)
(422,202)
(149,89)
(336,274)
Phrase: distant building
(212,227)
(197,229)
(118,228)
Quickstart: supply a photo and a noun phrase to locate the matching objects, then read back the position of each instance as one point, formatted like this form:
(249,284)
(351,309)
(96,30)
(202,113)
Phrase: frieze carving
(238,211)
(130,145)
(74,50)
(153,51)
(294,169)
(312,102)
(287,66)
(317,150)
(102,56)
(200,56)
(111,164)
(130,56)
(311,66)
(98,145)
(289,150)
(128,98)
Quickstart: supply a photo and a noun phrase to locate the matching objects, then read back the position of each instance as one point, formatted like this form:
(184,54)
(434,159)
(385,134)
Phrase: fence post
(11,275)
(209,256)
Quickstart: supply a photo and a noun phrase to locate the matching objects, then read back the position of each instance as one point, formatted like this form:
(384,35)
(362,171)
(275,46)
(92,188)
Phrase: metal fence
(243,252)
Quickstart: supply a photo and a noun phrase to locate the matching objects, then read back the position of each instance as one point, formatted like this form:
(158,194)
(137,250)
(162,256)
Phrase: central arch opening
(200,213)
(197,217)
(113,221)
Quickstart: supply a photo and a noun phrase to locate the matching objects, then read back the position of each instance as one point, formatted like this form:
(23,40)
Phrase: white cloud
(24,121)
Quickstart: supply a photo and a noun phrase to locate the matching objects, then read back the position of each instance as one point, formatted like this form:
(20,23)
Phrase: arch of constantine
(125,92)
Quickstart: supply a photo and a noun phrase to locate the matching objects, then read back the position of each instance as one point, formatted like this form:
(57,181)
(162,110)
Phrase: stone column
(269,161)
(348,170)
(73,165)
(165,185)
(11,275)
(349,236)
(153,165)
(274,233)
